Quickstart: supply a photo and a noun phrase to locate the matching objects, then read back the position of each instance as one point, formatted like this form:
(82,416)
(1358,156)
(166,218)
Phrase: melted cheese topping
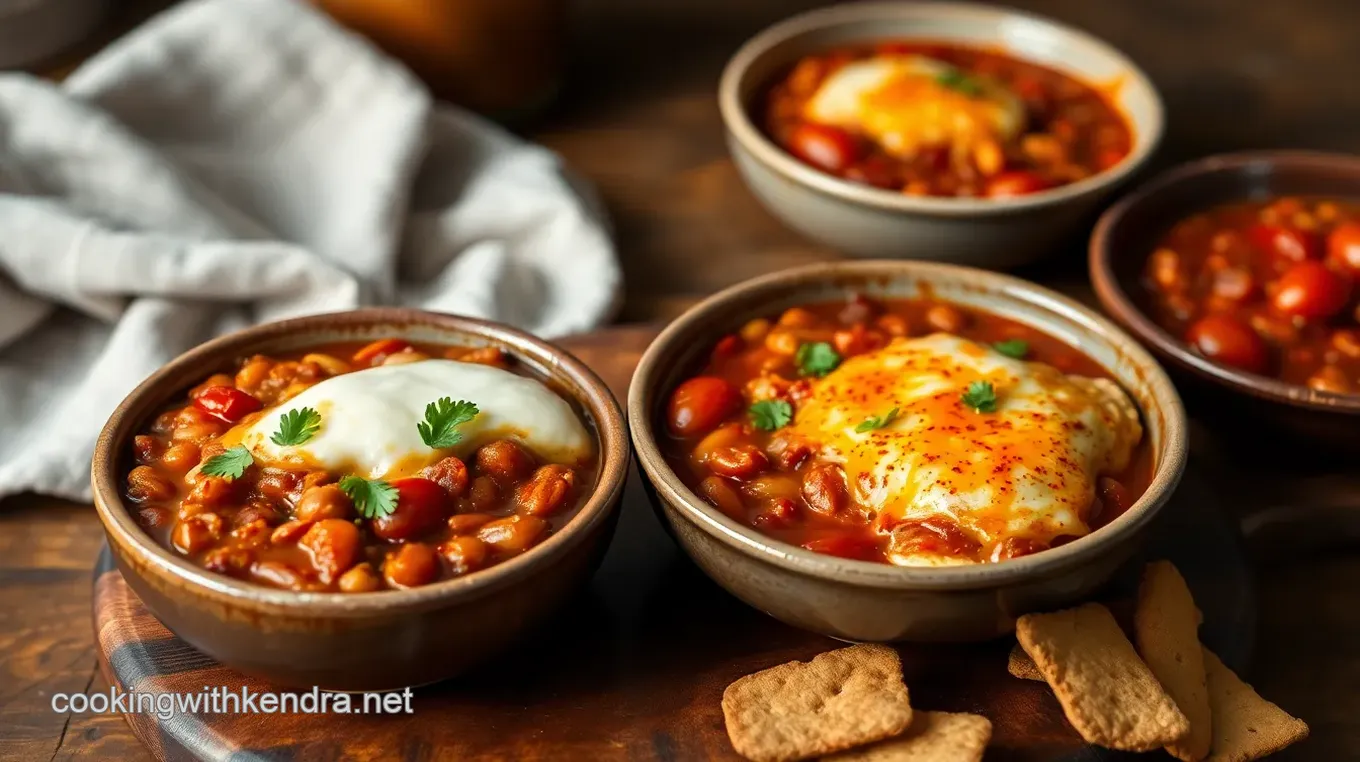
(369,417)
(1027,470)
(903,103)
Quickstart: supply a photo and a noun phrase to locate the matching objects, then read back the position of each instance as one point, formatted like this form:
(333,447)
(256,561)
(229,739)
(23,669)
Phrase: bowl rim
(1116,300)
(751,543)
(743,130)
(128,537)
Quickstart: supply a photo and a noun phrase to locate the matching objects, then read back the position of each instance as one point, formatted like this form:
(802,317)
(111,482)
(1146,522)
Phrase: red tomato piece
(846,546)
(1226,339)
(375,352)
(700,404)
(1312,291)
(1288,243)
(226,403)
(824,147)
(727,346)
(422,505)
(1343,247)
(1018,183)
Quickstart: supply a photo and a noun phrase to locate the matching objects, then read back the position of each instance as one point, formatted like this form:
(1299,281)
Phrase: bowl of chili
(277,500)
(1241,272)
(802,530)
(949,131)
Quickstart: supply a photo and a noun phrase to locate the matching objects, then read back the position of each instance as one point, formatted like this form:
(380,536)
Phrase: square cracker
(1108,693)
(1246,726)
(1020,665)
(839,700)
(1166,630)
(932,737)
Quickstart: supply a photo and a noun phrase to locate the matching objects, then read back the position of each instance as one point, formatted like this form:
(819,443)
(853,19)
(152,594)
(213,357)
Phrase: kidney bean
(326,501)
(946,318)
(289,532)
(228,559)
(196,533)
(824,489)
(741,462)
(777,513)
(699,404)
(414,564)
(253,373)
(463,554)
(505,461)
(421,506)
(279,486)
(145,484)
(1228,340)
(360,578)
(1312,291)
(513,534)
(333,545)
(180,458)
(153,517)
(788,451)
(145,448)
(194,425)
(721,495)
(483,495)
(724,436)
(467,523)
(547,490)
(845,546)
(277,574)
(1016,547)
(450,473)
(376,352)
(210,491)
(257,510)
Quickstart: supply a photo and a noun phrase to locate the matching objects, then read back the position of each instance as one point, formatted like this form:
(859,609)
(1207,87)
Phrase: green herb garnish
(771,414)
(442,419)
(296,427)
(1016,348)
(372,497)
(876,421)
(817,358)
(956,80)
(230,464)
(980,396)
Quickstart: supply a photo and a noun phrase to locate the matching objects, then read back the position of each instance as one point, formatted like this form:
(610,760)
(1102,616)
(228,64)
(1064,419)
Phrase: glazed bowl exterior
(869,222)
(361,641)
(864,601)
(1129,231)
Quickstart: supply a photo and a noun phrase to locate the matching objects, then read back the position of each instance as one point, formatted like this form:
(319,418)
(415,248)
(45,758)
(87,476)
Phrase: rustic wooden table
(638,118)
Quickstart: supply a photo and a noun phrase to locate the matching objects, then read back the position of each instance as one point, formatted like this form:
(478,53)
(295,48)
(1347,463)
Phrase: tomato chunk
(1287,243)
(421,506)
(700,404)
(1312,291)
(1343,248)
(1226,339)
(823,146)
(378,351)
(226,403)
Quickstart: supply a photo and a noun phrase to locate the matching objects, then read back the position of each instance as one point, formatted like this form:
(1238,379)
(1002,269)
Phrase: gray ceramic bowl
(361,641)
(859,600)
(869,222)
(1127,234)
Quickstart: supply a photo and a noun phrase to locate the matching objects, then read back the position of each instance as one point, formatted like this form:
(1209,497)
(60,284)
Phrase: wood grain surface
(637,664)
(638,119)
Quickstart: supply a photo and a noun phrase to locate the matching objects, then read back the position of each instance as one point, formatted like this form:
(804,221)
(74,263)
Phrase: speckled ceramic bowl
(869,222)
(361,641)
(859,600)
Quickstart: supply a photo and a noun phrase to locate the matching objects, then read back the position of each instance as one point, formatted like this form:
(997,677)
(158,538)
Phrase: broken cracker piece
(839,700)
(932,737)
(1107,692)
(1166,630)
(1021,666)
(1246,726)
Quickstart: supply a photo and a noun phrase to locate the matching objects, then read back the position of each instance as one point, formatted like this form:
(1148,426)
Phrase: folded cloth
(237,161)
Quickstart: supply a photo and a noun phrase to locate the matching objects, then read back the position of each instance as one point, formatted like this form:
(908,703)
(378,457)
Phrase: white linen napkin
(237,161)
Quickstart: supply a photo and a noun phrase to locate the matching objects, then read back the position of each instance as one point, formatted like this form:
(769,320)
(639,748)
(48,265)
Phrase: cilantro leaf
(372,497)
(876,421)
(442,419)
(817,358)
(230,464)
(771,414)
(959,81)
(980,396)
(1016,348)
(296,427)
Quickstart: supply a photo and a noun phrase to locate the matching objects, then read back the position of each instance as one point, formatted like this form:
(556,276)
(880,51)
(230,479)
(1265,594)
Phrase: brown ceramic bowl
(1130,230)
(864,601)
(869,222)
(361,641)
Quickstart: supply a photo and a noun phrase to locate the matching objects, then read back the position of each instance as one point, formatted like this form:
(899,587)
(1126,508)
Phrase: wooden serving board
(635,668)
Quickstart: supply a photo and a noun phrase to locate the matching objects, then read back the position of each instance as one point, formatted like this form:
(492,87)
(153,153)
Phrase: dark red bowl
(1129,231)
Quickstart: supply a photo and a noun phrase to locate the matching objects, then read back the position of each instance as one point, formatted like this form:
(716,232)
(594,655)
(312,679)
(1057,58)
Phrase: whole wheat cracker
(932,737)
(1108,693)
(1020,665)
(839,700)
(1246,726)
(1166,631)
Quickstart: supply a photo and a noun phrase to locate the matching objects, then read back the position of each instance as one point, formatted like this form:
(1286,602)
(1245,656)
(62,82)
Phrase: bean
(824,489)
(180,458)
(145,484)
(196,533)
(216,379)
(450,473)
(229,559)
(505,461)
(323,502)
(464,554)
(484,495)
(547,491)
(414,564)
(771,486)
(278,575)
(405,358)
(946,318)
(333,545)
(145,448)
(728,435)
(741,462)
(513,534)
(754,331)
(331,365)
(721,495)
(210,491)
(360,578)
(467,523)
(288,533)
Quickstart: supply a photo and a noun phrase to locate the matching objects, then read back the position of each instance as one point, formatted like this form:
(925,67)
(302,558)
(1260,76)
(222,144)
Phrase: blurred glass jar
(503,58)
